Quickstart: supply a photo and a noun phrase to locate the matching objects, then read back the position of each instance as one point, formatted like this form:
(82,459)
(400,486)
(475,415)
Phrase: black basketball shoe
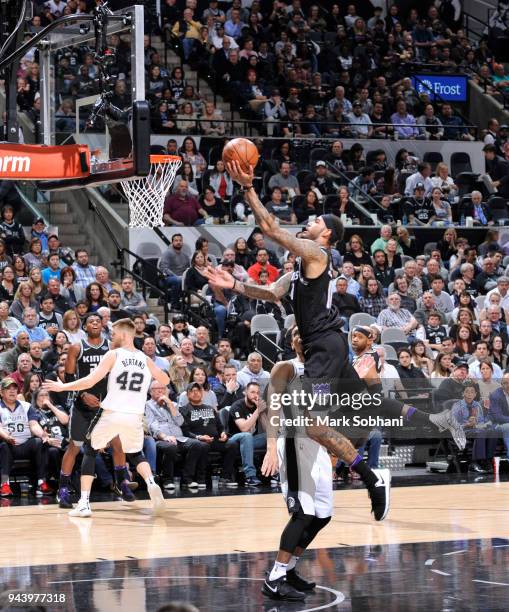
(282,590)
(298,582)
(380,494)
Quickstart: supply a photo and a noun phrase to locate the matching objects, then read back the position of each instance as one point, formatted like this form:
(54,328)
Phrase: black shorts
(327,366)
(81,419)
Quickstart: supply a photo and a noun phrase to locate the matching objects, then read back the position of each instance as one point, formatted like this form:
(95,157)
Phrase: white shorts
(109,424)
(314,471)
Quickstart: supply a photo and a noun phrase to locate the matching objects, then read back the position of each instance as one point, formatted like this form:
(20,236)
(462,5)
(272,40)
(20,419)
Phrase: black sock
(65,480)
(417,416)
(365,472)
(121,474)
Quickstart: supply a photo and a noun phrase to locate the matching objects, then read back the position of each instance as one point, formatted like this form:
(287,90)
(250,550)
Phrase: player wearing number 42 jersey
(121,412)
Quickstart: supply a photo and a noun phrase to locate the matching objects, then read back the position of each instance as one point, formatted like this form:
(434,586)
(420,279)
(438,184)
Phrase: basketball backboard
(89,63)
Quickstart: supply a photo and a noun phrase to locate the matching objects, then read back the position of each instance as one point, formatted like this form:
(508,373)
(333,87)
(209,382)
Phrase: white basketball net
(146,195)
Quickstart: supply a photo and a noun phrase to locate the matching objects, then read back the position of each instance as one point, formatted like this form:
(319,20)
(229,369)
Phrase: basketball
(242,150)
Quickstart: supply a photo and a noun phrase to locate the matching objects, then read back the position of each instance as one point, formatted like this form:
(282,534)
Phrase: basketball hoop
(146,194)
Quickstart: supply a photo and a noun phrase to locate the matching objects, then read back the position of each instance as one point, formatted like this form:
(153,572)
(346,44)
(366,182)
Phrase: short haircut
(252,384)
(126,325)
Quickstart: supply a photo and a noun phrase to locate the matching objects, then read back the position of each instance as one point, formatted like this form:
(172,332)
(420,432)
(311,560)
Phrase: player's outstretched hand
(219,278)
(270,465)
(53,385)
(237,173)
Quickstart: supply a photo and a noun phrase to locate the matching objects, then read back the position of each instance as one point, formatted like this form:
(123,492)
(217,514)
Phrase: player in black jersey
(82,358)
(327,365)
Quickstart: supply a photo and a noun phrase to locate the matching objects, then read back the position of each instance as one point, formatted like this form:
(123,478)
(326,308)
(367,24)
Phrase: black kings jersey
(312,302)
(51,425)
(88,360)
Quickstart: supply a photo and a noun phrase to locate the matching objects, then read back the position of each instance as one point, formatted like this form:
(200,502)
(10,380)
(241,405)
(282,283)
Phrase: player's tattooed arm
(333,441)
(271,293)
(307,249)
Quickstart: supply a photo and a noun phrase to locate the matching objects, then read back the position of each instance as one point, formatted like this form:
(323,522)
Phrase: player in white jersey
(121,413)
(306,481)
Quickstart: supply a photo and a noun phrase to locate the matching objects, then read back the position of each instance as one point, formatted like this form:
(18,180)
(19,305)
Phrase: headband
(362,330)
(331,222)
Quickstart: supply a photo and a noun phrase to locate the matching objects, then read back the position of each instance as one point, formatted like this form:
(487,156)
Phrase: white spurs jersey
(128,383)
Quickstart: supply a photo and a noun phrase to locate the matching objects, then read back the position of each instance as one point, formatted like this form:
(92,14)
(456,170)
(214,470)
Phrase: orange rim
(164,159)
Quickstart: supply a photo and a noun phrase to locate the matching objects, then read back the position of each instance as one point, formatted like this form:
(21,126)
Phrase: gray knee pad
(136,458)
(88,463)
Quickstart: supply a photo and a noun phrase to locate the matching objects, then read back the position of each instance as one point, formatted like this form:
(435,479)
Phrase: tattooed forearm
(333,441)
(270,293)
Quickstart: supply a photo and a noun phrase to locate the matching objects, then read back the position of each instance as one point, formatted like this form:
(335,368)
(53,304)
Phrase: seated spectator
(414,381)
(288,184)
(429,124)
(478,210)
(195,280)
(49,319)
(54,421)
(69,291)
(262,263)
(85,273)
(149,348)
(187,30)
(282,210)
(22,438)
(166,344)
(9,326)
(173,263)
(35,258)
(422,176)
(487,279)
(190,153)
(186,174)
(9,358)
(228,264)
(20,268)
(30,325)
(346,303)
(480,354)
(53,269)
(400,286)
(363,185)
(396,317)
(361,125)
(445,182)
(253,372)
(211,120)
(220,181)
(187,119)
(309,206)
(164,423)
(11,231)
(442,213)
(499,409)
(202,423)
(339,99)
(454,126)
(224,348)
(203,349)
(71,325)
(131,301)
(102,276)
(403,122)
(418,209)
(320,181)
(274,113)
(435,331)
(95,297)
(183,209)
(469,413)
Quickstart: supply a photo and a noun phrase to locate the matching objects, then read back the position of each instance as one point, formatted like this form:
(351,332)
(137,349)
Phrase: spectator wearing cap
(422,175)
(21,437)
(11,232)
(39,231)
(116,312)
(53,269)
(202,423)
(361,125)
(404,123)
(452,387)
(320,180)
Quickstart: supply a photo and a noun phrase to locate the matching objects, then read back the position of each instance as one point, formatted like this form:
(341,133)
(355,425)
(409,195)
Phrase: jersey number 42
(133,383)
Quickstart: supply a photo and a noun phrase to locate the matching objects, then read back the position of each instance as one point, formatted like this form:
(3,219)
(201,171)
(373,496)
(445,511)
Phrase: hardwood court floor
(218,525)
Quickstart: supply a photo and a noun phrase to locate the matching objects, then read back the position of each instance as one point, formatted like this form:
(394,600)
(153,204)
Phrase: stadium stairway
(71,233)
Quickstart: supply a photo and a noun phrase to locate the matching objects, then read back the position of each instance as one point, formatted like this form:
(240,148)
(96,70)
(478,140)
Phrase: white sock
(278,570)
(150,480)
(85,497)
(39,482)
(292,563)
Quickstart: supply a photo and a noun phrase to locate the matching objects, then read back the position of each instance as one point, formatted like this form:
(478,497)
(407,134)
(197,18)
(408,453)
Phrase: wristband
(245,188)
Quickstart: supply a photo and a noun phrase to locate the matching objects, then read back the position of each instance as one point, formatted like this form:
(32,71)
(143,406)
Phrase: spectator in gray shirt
(131,301)
(163,422)
(173,263)
(285,181)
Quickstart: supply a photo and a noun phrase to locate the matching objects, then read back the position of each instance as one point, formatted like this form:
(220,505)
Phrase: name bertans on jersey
(132,361)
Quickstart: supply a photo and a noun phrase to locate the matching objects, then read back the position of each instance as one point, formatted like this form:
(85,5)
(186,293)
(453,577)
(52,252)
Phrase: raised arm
(270,293)
(307,249)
